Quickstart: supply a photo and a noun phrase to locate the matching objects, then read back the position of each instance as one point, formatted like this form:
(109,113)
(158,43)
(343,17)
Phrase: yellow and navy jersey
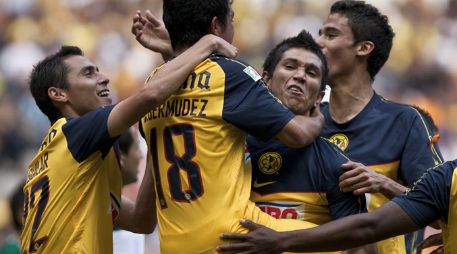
(434,197)
(390,138)
(300,183)
(73,188)
(196,142)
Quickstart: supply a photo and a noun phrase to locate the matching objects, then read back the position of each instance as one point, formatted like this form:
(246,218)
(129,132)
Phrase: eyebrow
(307,65)
(88,68)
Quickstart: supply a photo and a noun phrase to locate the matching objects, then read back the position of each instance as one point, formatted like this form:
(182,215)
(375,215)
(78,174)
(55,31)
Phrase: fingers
(151,18)
(250,225)
(350,165)
(440,250)
(233,236)
(232,247)
(432,240)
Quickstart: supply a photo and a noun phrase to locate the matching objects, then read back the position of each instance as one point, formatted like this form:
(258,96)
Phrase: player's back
(67,196)
(196,140)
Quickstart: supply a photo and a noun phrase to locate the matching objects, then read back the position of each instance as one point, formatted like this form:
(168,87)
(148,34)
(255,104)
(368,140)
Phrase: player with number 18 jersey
(196,140)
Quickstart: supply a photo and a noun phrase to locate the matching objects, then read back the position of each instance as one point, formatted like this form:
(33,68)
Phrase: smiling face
(87,87)
(337,43)
(296,80)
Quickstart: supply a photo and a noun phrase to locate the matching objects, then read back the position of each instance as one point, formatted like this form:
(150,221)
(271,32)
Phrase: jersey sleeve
(249,105)
(428,199)
(88,134)
(419,152)
(341,204)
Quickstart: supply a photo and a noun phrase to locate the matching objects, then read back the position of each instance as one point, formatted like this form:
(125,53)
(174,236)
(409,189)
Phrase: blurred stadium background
(421,69)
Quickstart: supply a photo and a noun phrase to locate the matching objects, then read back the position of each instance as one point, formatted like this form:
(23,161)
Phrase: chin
(107,102)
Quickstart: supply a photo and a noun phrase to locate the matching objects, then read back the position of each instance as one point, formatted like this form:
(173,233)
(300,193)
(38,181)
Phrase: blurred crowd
(421,69)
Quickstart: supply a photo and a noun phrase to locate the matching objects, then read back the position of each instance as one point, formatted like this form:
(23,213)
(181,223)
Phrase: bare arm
(140,217)
(346,233)
(302,130)
(164,83)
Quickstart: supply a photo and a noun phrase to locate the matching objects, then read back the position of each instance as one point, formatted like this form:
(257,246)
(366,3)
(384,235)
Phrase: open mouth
(295,89)
(103,93)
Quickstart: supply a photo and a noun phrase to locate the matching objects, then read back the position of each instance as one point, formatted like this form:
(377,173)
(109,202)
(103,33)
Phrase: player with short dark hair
(73,185)
(299,183)
(196,138)
(391,139)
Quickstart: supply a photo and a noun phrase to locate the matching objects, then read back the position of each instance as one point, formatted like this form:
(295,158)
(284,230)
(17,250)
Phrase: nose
(103,80)
(300,75)
(320,41)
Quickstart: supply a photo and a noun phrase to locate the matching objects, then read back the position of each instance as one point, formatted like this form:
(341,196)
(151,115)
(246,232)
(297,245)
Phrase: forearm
(159,87)
(337,235)
(350,232)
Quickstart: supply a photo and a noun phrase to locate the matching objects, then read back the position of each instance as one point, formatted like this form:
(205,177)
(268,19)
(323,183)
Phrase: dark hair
(16,205)
(125,141)
(302,40)
(51,72)
(368,24)
(188,21)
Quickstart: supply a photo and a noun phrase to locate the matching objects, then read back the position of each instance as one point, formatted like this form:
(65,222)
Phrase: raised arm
(164,83)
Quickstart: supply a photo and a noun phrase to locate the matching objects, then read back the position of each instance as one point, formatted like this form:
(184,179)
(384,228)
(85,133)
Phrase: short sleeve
(248,104)
(89,133)
(428,199)
(419,152)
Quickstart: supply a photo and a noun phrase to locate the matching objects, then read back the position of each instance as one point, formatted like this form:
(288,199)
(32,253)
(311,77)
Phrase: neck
(349,95)
(179,50)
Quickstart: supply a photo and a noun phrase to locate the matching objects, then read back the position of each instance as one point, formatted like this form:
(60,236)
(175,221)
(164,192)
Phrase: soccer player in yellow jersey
(196,138)
(433,197)
(72,191)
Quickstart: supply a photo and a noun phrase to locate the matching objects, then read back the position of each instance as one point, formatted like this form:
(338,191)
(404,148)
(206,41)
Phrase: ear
(57,94)
(216,28)
(122,160)
(265,76)
(365,48)
(320,97)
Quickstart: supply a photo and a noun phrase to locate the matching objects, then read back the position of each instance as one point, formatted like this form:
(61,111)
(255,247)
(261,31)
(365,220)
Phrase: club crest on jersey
(340,140)
(270,163)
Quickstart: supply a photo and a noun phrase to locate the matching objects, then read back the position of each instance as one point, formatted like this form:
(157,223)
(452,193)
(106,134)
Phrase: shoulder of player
(230,65)
(404,111)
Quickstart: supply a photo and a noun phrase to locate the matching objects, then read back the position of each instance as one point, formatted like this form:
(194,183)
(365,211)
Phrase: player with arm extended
(433,197)
(196,138)
(72,190)
(299,183)
(391,142)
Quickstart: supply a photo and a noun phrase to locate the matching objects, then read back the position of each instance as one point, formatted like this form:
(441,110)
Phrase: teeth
(294,89)
(103,93)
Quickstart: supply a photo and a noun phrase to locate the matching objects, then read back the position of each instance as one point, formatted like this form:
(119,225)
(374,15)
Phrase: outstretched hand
(151,33)
(260,240)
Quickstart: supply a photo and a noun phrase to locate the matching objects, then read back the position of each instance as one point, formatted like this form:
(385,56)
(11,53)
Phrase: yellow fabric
(450,230)
(193,225)
(77,215)
(394,245)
